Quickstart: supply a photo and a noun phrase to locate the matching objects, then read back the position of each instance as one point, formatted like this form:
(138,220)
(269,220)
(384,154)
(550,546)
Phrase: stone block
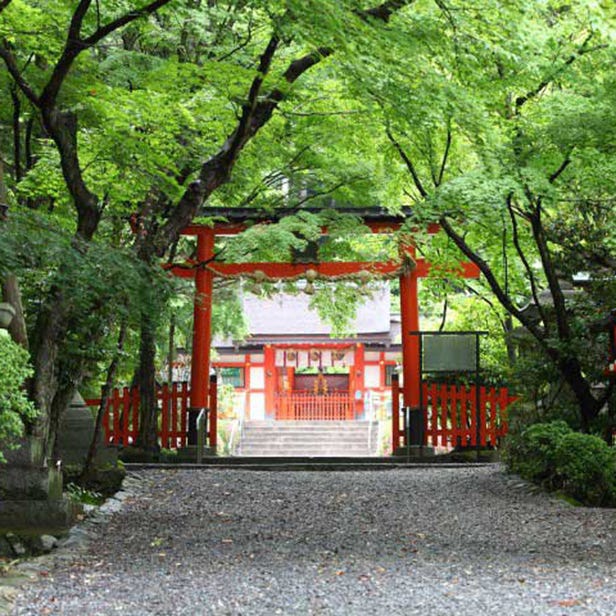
(44,515)
(22,483)
(75,434)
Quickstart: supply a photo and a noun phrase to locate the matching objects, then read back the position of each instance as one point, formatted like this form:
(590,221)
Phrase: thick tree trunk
(147,438)
(49,331)
(588,405)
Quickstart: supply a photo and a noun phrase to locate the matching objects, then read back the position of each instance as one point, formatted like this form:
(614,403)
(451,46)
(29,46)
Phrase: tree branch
(75,44)
(11,65)
(527,267)
(503,298)
(407,162)
(129,17)
(566,162)
(558,298)
(582,49)
(445,154)
(384,11)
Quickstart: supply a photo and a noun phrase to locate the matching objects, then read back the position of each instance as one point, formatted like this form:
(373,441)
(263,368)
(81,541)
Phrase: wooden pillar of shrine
(409,312)
(202,333)
(269,362)
(358,379)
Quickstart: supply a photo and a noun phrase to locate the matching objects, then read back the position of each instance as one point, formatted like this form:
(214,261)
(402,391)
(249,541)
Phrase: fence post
(395,411)
(213,411)
(164,416)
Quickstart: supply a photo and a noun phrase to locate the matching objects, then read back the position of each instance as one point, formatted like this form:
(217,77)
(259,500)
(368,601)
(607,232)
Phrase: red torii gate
(204,268)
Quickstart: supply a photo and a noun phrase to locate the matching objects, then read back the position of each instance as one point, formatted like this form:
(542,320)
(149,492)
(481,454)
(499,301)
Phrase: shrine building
(290,366)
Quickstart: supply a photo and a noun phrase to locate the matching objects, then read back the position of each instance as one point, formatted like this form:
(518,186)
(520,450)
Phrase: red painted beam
(280,271)
(292,270)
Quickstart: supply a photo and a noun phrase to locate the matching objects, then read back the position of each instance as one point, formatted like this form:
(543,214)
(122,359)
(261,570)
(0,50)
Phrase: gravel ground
(406,541)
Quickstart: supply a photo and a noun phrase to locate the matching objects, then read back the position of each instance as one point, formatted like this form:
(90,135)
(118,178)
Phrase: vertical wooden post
(395,412)
(213,412)
(409,312)
(358,381)
(164,416)
(269,361)
(247,386)
(202,333)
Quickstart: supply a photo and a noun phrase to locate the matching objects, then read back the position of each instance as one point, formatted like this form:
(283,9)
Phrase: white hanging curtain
(314,358)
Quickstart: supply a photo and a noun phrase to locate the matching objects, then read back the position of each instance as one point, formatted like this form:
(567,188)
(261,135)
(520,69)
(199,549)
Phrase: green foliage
(532,453)
(586,469)
(83,495)
(581,466)
(15,408)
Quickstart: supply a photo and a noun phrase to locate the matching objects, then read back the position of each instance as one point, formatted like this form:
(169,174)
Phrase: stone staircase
(309,439)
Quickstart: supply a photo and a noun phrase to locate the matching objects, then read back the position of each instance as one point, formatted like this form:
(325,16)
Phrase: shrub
(531,453)
(586,469)
(552,455)
(15,408)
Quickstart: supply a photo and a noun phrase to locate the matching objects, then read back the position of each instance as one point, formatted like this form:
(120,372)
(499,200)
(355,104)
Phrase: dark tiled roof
(246,214)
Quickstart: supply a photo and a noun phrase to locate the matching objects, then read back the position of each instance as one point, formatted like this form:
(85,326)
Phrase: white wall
(372,376)
(257,377)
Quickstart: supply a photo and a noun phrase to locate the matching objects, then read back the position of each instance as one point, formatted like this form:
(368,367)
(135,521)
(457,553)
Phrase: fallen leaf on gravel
(567,603)
(340,572)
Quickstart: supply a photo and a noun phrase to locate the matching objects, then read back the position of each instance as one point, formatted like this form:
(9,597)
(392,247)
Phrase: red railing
(451,417)
(309,406)
(121,421)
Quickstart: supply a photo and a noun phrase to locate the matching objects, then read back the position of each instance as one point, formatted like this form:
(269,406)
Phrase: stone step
(308,439)
(263,436)
(307,423)
(322,451)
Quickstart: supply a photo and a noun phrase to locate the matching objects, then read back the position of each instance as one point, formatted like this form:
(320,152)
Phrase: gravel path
(420,541)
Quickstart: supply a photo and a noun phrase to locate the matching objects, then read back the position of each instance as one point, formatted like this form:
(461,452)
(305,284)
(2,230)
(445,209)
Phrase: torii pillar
(413,270)
(202,332)
(409,313)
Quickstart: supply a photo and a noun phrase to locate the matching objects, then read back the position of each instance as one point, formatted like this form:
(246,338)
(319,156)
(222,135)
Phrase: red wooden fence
(452,419)
(304,405)
(121,421)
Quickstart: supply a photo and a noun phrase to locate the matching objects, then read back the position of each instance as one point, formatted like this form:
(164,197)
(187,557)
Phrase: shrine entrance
(334,384)
(287,392)
(315,384)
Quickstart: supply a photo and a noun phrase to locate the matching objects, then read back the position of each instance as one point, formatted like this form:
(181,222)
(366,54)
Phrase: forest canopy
(122,121)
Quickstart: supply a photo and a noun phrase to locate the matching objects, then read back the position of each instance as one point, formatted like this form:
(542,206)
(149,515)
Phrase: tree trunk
(510,346)
(588,405)
(49,331)
(102,408)
(147,438)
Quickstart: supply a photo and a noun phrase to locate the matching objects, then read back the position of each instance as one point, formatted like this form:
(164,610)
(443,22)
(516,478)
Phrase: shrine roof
(292,314)
(290,318)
